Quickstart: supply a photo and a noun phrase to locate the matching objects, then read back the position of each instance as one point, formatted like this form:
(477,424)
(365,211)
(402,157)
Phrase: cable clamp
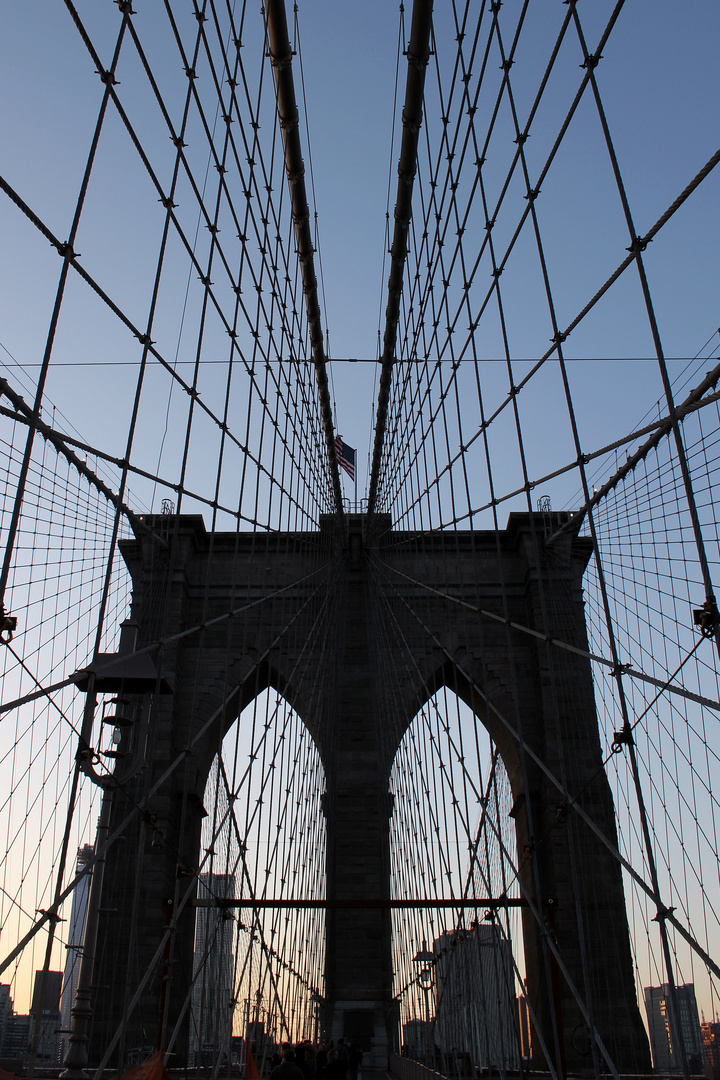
(639,244)
(418,62)
(125,7)
(280,62)
(707,618)
(66,250)
(561,812)
(108,78)
(8,626)
(592,60)
(621,738)
(51,916)
(663,913)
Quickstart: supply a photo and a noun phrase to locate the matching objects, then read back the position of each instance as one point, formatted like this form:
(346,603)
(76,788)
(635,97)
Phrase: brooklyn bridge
(359,541)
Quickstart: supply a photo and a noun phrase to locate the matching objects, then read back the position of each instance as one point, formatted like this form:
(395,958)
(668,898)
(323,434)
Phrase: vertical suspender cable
(281,60)
(418,54)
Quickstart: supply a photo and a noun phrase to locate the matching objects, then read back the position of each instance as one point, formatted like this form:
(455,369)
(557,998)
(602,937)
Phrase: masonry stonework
(358,629)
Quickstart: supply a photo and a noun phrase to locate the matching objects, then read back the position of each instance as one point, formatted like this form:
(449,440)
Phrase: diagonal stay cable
(531,902)
(133,1003)
(171,638)
(612,848)
(228,699)
(555,642)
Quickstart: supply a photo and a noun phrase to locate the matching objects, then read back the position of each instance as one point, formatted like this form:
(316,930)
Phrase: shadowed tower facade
(424,625)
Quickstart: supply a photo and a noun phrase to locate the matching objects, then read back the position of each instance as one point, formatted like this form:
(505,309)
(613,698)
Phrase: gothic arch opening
(459,970)
(258,968)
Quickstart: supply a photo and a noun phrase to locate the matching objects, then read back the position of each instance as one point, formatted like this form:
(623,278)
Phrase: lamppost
(317,1002)
(425,979)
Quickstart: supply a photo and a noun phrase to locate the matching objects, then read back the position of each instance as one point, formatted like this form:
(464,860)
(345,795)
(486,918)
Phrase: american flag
(345,456)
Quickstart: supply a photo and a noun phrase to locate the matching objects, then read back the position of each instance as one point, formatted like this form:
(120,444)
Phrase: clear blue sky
(659,82)
(659,79)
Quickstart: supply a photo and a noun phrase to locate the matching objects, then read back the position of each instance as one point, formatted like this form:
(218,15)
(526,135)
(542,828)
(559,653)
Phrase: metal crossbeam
(375,903)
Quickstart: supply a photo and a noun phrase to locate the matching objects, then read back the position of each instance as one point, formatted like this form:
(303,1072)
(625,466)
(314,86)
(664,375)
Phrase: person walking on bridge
(287,1069)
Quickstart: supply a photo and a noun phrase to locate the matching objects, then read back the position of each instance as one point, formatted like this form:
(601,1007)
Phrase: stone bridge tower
(271,581)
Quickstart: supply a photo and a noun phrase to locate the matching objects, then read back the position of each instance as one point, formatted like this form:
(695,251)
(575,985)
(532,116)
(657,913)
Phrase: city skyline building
(476,1003)
(417,1035)
(16,1038)
(525,1028)
(211,999)
(45,1008)
(664,1030)
(73,948)
(710,1032)
(6,1014)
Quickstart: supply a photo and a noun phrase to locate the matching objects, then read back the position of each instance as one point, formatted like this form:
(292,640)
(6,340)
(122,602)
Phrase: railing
(359,507)
(406,1069)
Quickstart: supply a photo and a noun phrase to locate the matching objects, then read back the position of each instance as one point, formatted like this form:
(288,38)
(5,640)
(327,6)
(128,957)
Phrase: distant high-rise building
(664,1028)
(74,946)
(16,1040)
(6,1015)
(525,1030)
(45,1009)
(710,1033)
(211,1002)
(417,1036)
(476,1010)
